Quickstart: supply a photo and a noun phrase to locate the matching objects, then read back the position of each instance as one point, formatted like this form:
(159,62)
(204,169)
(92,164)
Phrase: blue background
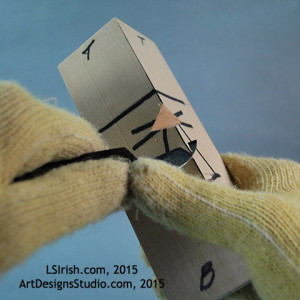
(237,61)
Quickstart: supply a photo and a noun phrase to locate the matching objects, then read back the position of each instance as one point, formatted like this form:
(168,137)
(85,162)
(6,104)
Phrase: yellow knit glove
(39,210)
(260,220)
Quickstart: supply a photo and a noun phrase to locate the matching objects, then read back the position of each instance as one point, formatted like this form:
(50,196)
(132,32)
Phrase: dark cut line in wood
(135,105)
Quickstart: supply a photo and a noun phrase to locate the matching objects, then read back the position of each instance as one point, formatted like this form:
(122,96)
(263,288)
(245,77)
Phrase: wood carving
(120,82)
(165,119)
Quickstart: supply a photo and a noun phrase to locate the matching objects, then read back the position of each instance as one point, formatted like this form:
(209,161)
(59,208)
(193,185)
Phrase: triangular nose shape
(165,119)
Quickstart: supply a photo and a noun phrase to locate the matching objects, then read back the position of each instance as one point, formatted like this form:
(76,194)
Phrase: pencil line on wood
(128,110)
(170,97)
(144,140)
(142,127)
(165,138)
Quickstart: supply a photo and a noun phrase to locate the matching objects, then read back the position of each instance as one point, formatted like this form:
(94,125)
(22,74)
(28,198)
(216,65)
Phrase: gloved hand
(39,210)
(260,219)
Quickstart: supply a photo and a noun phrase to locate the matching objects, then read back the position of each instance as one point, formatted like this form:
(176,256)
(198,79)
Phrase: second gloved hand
(39,210)
(260,220)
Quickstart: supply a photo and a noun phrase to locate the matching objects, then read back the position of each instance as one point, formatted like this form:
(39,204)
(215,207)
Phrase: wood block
(120,82)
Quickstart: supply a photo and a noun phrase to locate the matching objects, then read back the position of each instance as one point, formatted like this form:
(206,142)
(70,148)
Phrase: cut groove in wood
(165,119)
